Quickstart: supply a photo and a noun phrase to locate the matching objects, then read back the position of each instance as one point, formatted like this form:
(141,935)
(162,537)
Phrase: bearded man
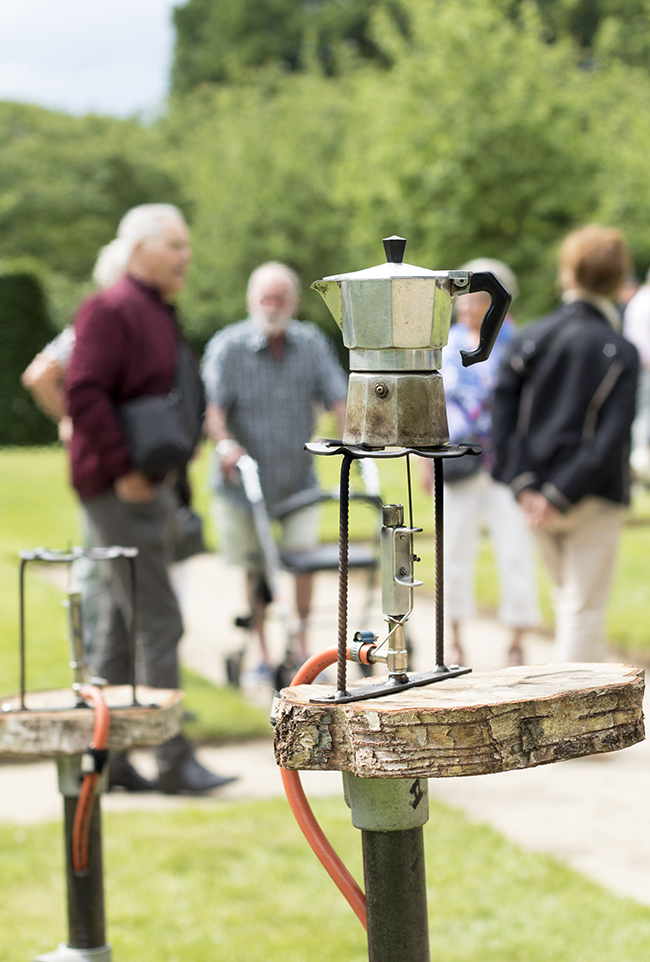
(264,377)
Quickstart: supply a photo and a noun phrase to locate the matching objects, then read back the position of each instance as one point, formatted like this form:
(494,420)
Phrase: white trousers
(468,505)
(579,549)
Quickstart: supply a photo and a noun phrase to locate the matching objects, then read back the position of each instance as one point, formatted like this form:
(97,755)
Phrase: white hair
(139,224)
(269,270)
(504,273)
(110,264)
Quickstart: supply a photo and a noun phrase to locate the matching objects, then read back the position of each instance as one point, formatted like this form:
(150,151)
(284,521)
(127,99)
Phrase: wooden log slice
(51,725)
(470,725)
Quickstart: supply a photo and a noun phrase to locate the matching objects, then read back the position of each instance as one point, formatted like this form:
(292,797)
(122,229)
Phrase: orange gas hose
(302,810)
(83,811)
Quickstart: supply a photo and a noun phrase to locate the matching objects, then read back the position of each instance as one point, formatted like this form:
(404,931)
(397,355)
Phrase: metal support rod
(344,519)
(409,491)
(440,561)
(86,924)
(23,562)
(133,633)
(396,896)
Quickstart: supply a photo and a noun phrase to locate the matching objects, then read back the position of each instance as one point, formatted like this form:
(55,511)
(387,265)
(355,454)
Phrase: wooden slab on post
(474,724)
(53,726)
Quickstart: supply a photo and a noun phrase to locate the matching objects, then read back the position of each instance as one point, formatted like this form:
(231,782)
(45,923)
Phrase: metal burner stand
(59,723)
(397,567)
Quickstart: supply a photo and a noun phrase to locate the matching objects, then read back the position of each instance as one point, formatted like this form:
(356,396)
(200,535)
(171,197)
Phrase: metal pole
(390,813)
(86,920)
(85,890)
(396,896)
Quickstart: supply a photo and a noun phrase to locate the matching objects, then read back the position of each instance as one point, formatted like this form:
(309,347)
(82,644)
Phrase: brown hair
(594,258)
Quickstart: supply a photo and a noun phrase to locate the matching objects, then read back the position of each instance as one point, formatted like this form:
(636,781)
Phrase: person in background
(627,291)
(44,379)
(264,376)
(44,376)
(636,328)
(477,500)
(127,344)
(563,409)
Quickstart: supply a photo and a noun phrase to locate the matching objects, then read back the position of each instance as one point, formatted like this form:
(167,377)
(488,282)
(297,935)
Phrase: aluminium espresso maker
(395,321)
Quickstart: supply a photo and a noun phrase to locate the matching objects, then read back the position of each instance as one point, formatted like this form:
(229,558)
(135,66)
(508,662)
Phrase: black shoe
(286,670)
(122,774)
(191,777)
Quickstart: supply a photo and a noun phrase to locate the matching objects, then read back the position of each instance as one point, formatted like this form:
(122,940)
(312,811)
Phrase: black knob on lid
(394,247)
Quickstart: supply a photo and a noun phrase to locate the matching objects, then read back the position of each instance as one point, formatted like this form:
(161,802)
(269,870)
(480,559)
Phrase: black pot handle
(494,318)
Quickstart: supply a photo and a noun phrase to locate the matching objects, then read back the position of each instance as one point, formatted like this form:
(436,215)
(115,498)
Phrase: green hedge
(25,328)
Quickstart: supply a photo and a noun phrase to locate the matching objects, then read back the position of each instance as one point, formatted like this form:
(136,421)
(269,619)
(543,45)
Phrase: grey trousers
(149,528)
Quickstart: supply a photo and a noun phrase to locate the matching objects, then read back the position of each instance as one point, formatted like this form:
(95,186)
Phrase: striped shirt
(269,403)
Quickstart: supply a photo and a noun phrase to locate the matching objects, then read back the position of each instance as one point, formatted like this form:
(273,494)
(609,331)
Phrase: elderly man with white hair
(128,345)
(264,376)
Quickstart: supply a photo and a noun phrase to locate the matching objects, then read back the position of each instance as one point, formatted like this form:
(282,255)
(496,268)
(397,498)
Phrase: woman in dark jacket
(563,409)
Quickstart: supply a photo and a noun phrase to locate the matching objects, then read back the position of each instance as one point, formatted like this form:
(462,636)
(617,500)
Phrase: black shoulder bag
(162,430)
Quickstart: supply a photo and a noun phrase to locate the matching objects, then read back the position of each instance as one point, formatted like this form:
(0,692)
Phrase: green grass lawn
(238,883)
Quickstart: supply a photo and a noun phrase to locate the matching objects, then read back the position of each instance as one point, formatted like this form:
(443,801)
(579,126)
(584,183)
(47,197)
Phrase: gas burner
(328,446)
(392,686)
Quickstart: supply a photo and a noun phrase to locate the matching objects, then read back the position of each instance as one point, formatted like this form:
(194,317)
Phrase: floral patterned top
(469,390)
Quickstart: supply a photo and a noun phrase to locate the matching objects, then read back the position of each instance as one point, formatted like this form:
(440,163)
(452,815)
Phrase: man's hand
(134,488)
(537,509)
(65,431)
(229,452)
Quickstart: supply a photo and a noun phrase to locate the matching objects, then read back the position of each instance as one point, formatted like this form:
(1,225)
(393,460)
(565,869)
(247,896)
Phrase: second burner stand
(349,455)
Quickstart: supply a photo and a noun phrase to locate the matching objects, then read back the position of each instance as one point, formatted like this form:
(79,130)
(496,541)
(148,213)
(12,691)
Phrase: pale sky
(106,56)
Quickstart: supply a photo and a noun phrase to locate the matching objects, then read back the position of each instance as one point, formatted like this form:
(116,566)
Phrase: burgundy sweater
(125,347)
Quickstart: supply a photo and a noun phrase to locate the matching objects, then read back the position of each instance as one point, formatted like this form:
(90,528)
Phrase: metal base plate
(66,954)
(8,709)
(392,686)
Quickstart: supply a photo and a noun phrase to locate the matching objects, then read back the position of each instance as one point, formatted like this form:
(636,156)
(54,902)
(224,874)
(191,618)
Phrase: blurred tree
(480,142)
(482,139)
(25,329)
(65,182)
(218,41)
(601,30)
(622,142)
(258,164)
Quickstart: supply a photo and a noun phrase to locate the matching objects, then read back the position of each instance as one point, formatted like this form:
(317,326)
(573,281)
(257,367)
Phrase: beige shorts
(238,541)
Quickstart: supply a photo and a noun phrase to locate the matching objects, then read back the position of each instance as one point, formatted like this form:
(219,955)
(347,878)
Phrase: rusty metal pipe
(344,523)
(440,561)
